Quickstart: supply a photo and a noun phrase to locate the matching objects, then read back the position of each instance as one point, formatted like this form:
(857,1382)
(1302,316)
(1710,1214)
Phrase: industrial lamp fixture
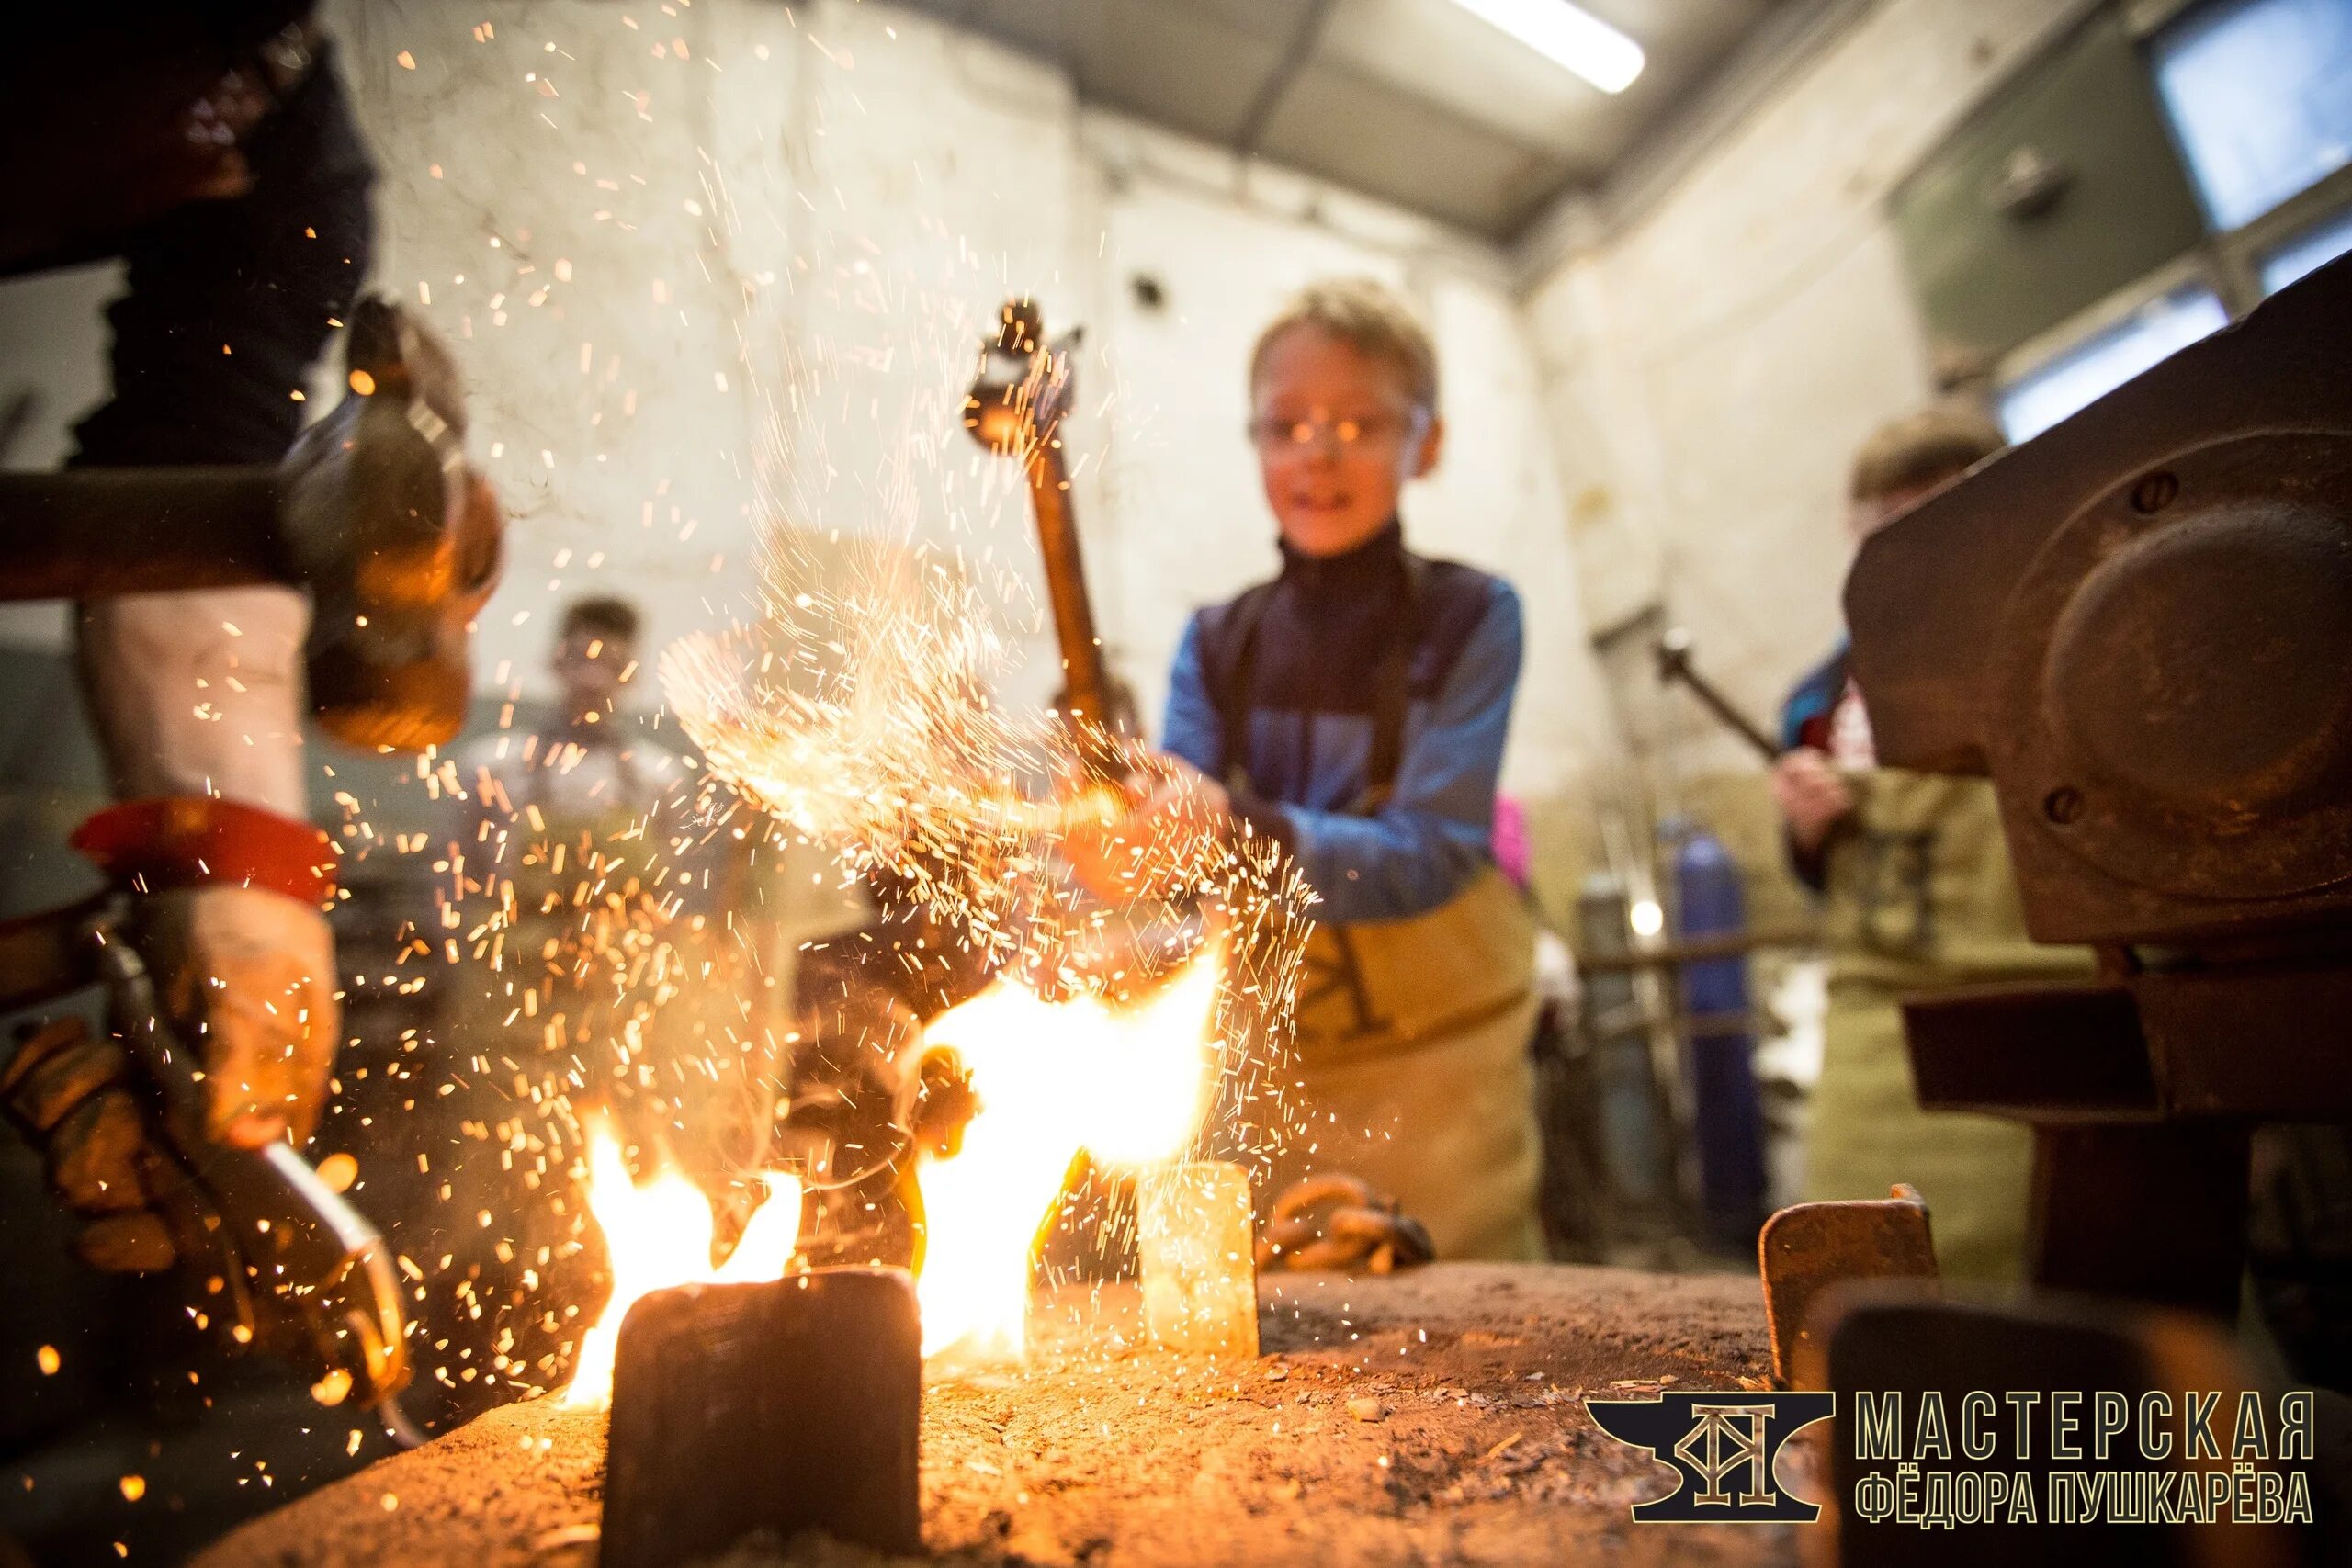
(1566,34)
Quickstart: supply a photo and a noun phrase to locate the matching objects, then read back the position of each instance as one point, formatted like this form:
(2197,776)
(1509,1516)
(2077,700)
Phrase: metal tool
(303,1274)
(375,511)
(1673,651)
(1336,1220)
(308,1276)
(1015,410)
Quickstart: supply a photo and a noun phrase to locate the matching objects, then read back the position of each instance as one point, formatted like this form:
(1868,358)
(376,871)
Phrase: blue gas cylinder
(1727,1119)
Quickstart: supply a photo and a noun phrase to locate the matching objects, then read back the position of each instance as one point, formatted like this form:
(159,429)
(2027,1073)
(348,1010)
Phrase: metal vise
(2139,625)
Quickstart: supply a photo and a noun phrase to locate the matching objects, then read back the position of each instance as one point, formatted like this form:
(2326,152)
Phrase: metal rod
(1674,664)
(91,533)
(1700,950)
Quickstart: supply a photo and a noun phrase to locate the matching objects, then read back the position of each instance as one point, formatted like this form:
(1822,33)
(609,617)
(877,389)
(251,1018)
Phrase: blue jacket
(1317,638)
(1805,721)
(1804,716)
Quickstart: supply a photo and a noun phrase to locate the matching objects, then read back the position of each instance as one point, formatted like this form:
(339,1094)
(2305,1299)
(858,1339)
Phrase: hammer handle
(1739,723)
(1085,681)
(90,533)
(1674,665)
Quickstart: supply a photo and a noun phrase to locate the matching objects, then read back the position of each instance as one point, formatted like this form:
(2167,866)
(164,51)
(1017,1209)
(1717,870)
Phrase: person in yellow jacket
(1354,708)
(1918,895)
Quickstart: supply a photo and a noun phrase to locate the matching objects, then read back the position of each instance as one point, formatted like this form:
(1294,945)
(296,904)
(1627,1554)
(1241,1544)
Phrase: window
(2307,251)
(2257,95)
(2105,360)
(2260,94)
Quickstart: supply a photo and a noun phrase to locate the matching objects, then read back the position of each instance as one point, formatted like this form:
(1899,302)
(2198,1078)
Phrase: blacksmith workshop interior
(1175,782)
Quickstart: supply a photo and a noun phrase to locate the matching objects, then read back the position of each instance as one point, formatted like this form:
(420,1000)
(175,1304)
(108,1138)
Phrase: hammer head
(1024,385)
(398,538)
(1673,654)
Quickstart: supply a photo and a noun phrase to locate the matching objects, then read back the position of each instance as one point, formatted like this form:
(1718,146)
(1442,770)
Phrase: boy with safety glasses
(1354,709)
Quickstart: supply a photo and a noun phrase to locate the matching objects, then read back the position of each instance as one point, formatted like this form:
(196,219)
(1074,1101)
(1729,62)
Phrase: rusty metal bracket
(1809,1248)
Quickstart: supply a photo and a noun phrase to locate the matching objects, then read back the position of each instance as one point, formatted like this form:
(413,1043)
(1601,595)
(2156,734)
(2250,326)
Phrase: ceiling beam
(1295,53)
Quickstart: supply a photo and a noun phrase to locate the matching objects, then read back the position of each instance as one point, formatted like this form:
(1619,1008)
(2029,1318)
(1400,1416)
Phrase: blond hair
(1366,316)
(1923,449)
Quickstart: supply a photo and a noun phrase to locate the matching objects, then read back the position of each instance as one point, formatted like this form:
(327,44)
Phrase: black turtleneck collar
(1373,564)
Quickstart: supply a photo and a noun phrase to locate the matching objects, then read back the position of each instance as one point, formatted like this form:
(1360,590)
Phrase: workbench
(1430,1416)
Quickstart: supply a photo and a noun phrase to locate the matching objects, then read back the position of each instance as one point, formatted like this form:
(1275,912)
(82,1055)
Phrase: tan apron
(1411,1068)
(572,940)
(1922,897)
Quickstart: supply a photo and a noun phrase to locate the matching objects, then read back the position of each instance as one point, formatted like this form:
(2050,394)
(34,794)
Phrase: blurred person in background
(615,968)
(1916,894)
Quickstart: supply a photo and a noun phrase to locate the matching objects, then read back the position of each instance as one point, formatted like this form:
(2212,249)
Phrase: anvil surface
(1434,1416)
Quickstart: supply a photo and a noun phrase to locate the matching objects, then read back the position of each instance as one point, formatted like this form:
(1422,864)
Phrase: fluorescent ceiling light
(1566,34)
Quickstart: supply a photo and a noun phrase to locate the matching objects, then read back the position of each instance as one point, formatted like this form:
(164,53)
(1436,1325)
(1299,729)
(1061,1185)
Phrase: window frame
(2228,262)
(2047,348)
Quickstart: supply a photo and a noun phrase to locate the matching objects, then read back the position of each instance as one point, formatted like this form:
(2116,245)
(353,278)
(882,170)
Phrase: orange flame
(659,1236)
(1127,1084)
(1130,1086)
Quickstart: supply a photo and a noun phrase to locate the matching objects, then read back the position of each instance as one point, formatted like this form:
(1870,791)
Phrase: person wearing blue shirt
(1306,747)
(1355,710)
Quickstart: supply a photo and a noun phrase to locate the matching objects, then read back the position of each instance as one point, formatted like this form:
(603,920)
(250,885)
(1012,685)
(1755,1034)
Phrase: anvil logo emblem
(1722,1445)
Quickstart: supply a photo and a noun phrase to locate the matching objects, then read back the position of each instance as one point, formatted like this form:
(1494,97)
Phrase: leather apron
(1922,897)
(581,953)
(1410,1068)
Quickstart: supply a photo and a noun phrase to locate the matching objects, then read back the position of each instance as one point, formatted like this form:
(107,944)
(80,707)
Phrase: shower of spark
(864,721)
(862,708)
(863,717)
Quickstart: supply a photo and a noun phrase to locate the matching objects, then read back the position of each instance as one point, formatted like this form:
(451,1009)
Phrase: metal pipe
(1672,955)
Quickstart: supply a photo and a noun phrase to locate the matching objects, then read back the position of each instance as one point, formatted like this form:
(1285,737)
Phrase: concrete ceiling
(1417,101)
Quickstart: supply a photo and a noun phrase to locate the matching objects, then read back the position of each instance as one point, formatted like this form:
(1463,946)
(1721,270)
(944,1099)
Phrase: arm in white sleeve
(200,694)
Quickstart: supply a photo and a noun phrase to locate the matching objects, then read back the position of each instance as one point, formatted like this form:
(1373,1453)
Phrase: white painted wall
(546,200)
(56,351)
(1711,369)
(700,290)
